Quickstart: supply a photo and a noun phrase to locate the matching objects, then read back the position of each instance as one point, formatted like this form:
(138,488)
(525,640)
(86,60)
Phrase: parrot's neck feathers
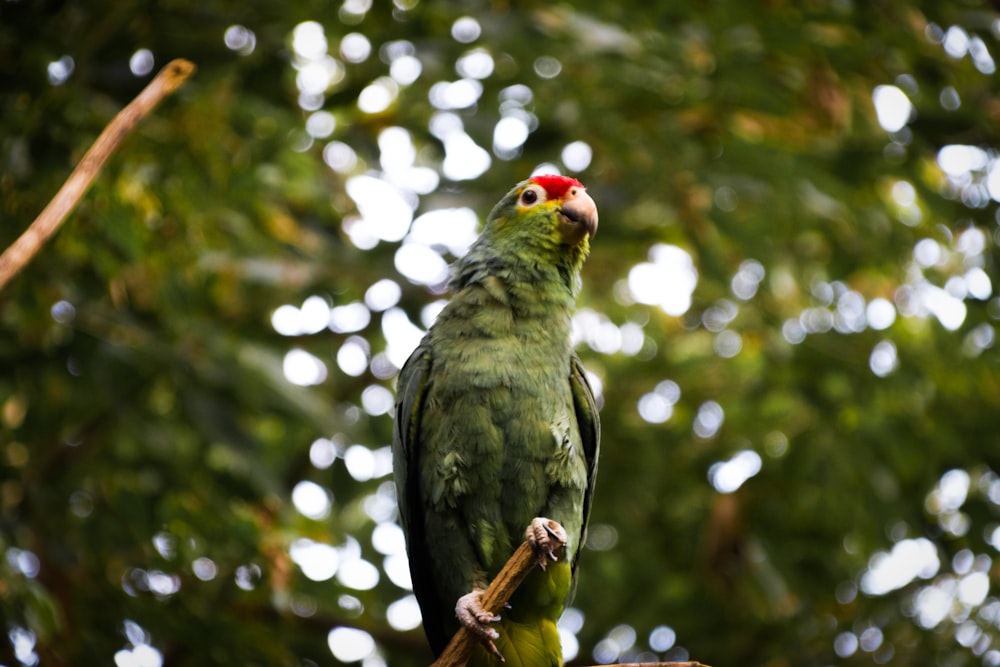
(524,279)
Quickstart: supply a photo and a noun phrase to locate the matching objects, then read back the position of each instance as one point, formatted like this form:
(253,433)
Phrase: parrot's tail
(534,644)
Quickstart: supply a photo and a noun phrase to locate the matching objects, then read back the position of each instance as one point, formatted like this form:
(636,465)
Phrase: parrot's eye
(533,194)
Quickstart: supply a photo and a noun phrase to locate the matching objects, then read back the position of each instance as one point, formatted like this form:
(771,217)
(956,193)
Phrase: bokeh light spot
(358,574)
(285,320)
(311,500)
(662,638)
(957,160)
(377,400)
(355,47)
(23,561)
(973,589)
(728,344)
(569,624)
(321,124)
(349,317)
(747,279)
(322,453)
(378,95)
(880,313)
(569,643)
(247,576)
(161,584)
(352,357)
(667,281)
(475,64)
(870,639)
(466,30)
(654,408)
(304,369)
(451,228)
(576,156)
(63,312)
(340,157)
(405,70)
(602,537)
(60,70)
(510,133)
(421,264)
(142,655)
(204,568)
(730,475)
(350,644)
(956,42)
(883,359)
(709,419)
(401,335)
(240,39)
(141,63)
(360,462)
(908,559)
(384,294)
(388,538)
(309,40)
(314,315)
(464,159)
(385,212)
(397,568)
(318,561)
(892,107)
(404,614)
(547,67)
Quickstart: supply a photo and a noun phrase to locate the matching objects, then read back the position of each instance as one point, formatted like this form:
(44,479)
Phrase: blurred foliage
(150,439)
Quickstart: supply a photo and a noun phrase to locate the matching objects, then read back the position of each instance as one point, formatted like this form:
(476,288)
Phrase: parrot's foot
(471,613)
(545,536)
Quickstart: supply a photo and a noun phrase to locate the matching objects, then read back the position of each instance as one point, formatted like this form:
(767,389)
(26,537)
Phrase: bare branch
(459,649)
(17,256)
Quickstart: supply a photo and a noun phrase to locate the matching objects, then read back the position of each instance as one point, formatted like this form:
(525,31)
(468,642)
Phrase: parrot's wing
(410,392)
(590,433)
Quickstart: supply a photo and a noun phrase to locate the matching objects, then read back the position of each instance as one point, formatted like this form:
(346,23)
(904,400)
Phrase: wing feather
(411,389)
(589,422)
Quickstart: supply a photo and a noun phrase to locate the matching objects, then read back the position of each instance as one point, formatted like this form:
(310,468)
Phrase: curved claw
(546,537)
(470,612)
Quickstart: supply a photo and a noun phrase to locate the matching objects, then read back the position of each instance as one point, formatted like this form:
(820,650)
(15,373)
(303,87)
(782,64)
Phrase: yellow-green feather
(528,634)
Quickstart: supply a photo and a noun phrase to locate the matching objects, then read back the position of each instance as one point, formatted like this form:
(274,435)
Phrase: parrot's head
(548,218)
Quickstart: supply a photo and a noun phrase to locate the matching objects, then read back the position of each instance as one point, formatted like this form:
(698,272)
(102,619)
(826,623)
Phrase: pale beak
(579,214)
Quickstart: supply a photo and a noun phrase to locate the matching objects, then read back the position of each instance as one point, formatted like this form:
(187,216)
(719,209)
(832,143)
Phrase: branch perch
(459,649)
(514,571)
(17,256)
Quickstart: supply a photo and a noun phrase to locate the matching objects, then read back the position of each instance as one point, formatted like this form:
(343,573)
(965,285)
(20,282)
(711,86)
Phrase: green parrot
(497,429)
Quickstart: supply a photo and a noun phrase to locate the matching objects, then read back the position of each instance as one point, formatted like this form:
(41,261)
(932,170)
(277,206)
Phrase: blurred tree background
(789,310)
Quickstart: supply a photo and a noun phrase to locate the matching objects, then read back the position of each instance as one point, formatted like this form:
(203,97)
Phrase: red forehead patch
(556,186)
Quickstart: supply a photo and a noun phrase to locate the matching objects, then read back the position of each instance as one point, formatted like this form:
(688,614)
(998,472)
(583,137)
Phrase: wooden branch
(17,256)
(459,649)
(514,571)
